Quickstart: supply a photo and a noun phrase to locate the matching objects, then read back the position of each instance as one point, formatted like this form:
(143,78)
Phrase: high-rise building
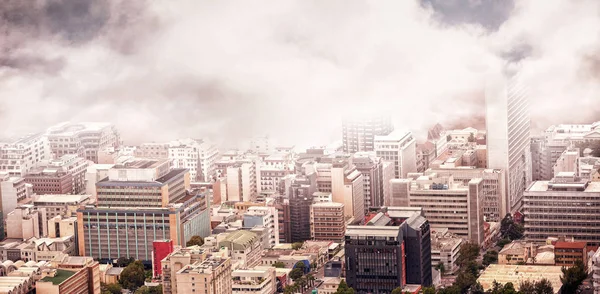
(372,169)
(19,157)
(241,182)
(508,133)
(65,175)
(359,131)
(566,206)
(399,148)
(494,193)
(327,221)
(388,253)
(140,201)
(347,187)
(446,203)
(300,201)
(82,139)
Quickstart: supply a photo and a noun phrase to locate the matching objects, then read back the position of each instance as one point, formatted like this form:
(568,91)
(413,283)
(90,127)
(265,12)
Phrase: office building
(174,262)
(327,221)
(211,276)
(273,169)
(372,168)
(140,201)
(567,162)
(60,205)
(266,217)
(26,222)
(347,187)
(85,140)
(445,248)
(417,248)
(446,203)
(198,156)
(508,133)
(21,156)
(400,149)
(359,131)
(375,258)
(241,181)
(494,193)
(300,200)
(566,206)
(65,175)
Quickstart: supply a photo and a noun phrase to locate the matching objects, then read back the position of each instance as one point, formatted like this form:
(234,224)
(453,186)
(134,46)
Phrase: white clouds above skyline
(226,69)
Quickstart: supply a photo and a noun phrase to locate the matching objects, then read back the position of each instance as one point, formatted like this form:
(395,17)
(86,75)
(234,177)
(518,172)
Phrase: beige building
(60,205)
(516,252)
(211,276)
(82,139)
(245,248)
(327,222)
(257,280)
(60,226)
(446,203)
(444,249)
(175,262)
(329,286)
(347,187)
(26,222)
(567,162)
(13,190)
(72,275)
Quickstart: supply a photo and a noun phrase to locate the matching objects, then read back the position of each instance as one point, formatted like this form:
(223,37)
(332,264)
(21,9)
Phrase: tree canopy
(344,289)
(297,245)
(542,286)
(195,240)
(149,290)
(279,264)
(573,276)
(490,257)
(124,261)
(133,276)
(509,229)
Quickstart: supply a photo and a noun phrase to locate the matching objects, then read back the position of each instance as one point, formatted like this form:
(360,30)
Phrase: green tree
(296,274)
(195,240)
(573,276)
(124,261)
(472,138)
(527,287)
(297,245)
(111,288)
(477,289)
(440,267)
(468,252)
(149,290)
(301,266)
(279,264)
(397,291)
(344,289)
(429,290)
(502,242)
(490,257)
(133,276)
(509,229)
(544,286)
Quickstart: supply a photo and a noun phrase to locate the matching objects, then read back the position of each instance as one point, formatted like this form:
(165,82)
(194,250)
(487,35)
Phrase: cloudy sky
(229,69)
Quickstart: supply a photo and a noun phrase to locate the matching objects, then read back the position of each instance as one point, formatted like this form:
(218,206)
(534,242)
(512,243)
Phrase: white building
(359,131)
(19,157)
(508,133)
(347,187)
(267,217)
(12,191)
(567,162)
(399,148)
(94,174)
(445,248)
(198,156)
(85,139)
(261,280)
(558,138)
(26,222)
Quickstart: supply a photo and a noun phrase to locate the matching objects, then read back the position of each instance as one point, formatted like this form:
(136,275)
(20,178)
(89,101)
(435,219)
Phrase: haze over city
(288,69)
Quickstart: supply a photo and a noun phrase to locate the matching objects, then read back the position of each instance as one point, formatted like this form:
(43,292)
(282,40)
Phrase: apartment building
(13,190)
(245,248)
(375,176)
(567,253)
(327,221)
(266,217)
(257,280)
(21,156)
(566,206)
(60,205)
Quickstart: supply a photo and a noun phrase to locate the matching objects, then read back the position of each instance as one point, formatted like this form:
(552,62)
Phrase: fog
(226,70)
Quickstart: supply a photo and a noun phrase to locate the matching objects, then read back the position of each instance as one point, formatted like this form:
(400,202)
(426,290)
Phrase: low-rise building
(516,274)
(566,253)
(63,205)
(444,250)
(245,247)
(65,175)
(517,252)
(69,274)
(212,276)
(258,280)
(330,285)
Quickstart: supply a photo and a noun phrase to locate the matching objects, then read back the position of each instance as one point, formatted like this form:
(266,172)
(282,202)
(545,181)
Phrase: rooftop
(504,273)
(378,231)
(59,277)
(61,199)
(569,245)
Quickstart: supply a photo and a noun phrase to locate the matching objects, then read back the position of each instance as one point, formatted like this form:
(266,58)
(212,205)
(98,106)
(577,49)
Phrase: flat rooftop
(542,186)
(378,231)
(61,198)
(59,277)
(504,273)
